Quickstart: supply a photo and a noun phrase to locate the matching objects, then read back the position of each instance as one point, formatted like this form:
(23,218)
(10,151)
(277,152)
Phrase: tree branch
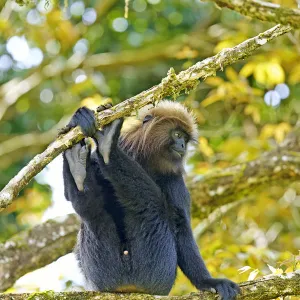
(264,11)
(104,6)
(35,248)
(171,85)
(237,182)
(166,50)
(30,139)
(208,194)
(12,90)
(216,216)
(268,287)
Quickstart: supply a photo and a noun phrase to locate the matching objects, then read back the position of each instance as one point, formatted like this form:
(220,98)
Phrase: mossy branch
(268,287)
(264,11)
(172,85)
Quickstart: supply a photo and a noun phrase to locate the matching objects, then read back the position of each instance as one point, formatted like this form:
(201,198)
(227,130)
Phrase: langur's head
(160,137)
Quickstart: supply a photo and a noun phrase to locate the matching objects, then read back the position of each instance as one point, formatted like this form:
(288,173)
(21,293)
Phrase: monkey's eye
(178,134)
(147,118)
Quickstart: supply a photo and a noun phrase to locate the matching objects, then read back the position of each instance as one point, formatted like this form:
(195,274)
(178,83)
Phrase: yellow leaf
(244,269)
(94,101)
(211,99)
(253,111)
(231,74)
(214,81)
(278,131)
(257,92)
(253,274)
(4,26)
(204,147)
(186,52)
(267,131)
(224,44)
(275,271)
(294,77)
(276,73)
(260,73)
(247,70)
(269,73)
(289,269)
(281,131)
(234,146)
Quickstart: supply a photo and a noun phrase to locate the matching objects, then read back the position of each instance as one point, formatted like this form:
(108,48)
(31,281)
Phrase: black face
(179,143)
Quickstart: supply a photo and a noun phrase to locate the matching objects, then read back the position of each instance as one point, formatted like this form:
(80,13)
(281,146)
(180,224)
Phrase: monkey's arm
(82,185)
(193,266)
(83,180)
(133,185)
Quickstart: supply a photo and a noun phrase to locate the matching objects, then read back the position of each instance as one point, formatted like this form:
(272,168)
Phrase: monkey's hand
(77,157)
(107,139)
(84,118)
(227,289)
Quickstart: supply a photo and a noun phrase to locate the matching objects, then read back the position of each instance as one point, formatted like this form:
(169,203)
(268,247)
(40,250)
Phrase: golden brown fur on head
(148,142)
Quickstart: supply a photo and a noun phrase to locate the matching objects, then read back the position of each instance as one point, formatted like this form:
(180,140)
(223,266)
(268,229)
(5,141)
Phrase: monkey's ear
(107,139)
(147,118)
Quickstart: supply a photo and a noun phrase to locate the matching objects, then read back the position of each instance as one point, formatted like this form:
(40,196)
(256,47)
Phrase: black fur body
(135,224)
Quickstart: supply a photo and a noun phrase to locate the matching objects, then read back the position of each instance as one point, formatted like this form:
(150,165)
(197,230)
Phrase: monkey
(134,205)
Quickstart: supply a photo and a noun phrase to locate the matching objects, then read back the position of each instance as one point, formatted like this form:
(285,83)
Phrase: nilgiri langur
(134,204)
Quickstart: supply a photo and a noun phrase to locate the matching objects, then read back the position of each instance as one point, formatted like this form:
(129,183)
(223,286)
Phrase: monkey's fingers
(63,130)
(104,107)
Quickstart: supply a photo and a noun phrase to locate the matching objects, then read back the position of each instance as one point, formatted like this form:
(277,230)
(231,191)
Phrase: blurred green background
(58,55)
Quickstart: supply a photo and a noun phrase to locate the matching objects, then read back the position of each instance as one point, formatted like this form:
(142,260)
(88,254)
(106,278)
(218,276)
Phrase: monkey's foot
(107,139)
(77,157)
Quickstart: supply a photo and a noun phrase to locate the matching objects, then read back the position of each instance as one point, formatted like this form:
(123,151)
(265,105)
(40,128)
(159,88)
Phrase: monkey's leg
(135,188)
(83,186)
